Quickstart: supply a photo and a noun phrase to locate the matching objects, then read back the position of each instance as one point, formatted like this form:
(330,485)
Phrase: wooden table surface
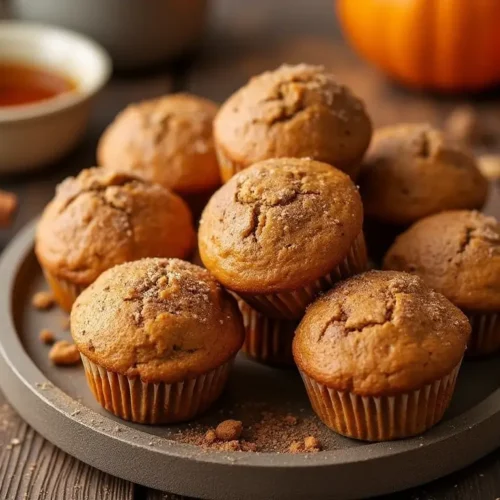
(244,38)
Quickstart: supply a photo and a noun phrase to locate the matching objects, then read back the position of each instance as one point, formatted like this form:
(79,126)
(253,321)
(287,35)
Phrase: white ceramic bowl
(36,134)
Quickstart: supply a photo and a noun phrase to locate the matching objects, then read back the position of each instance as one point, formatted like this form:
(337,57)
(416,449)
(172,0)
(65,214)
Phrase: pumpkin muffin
(410,171)
(281,231)
(379,355)
(295,111)
(157,339)
(267,340)
(458,254)
(166,140)
(100,219)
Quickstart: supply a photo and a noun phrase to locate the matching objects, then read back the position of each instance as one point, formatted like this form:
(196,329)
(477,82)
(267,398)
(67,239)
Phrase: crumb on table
(8,206)
(64,353)
(65,323)
(47,336)
(43,300)
(463,125)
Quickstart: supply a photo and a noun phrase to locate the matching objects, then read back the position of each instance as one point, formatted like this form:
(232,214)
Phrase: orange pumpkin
(446,45)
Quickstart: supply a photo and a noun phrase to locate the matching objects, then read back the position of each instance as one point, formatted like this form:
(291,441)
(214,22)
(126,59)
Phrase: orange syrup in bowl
(24,84)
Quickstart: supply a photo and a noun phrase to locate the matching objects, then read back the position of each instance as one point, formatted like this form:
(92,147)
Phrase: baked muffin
(410,171)
(281,231)
(102,218)
(458,254)
(267,340)
(295,111)
(157,339)
(166,140)
(379,355)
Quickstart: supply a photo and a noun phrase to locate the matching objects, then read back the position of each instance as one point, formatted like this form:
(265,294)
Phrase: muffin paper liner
(291,305)
(155,403)
(64,291)
(227,167)
(385,417)
(485,336)
(267,340)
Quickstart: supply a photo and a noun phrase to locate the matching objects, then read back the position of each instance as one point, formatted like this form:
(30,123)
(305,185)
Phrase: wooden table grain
(244,38)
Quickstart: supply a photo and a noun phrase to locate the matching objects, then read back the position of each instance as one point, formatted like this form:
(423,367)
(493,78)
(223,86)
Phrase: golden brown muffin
(410,171)
(458,254)
(166,140)
(295,111)
(281,231)
(267,340)
(157,339)
(101,218)
(373,342)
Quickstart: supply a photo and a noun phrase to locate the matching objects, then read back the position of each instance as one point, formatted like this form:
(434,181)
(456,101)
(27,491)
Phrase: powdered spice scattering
(270,432)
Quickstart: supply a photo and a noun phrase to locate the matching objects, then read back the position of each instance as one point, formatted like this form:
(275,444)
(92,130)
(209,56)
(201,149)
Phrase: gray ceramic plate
(57,403)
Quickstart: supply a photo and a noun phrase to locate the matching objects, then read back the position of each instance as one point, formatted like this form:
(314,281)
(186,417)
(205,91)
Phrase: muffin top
(457,253)
(294,111)
(380,333)
(280,224)
(166,140)
(163,320)
(102,218)
(410,171)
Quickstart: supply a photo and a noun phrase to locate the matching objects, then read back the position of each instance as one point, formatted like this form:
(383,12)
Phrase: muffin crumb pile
(310,444)
(270,432)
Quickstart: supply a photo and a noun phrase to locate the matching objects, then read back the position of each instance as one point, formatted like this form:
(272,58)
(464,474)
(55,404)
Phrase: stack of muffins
(286,263)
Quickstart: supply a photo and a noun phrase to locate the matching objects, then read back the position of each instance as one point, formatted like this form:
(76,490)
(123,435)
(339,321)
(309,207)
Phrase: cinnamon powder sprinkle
(43,300)
(270,432)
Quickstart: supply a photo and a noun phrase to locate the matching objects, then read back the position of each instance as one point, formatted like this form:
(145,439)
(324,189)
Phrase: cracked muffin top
(166,140)
(163,320)
(295,111)
(380,333)
(410,171)
(457,253)
(279,225)
(101,218)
